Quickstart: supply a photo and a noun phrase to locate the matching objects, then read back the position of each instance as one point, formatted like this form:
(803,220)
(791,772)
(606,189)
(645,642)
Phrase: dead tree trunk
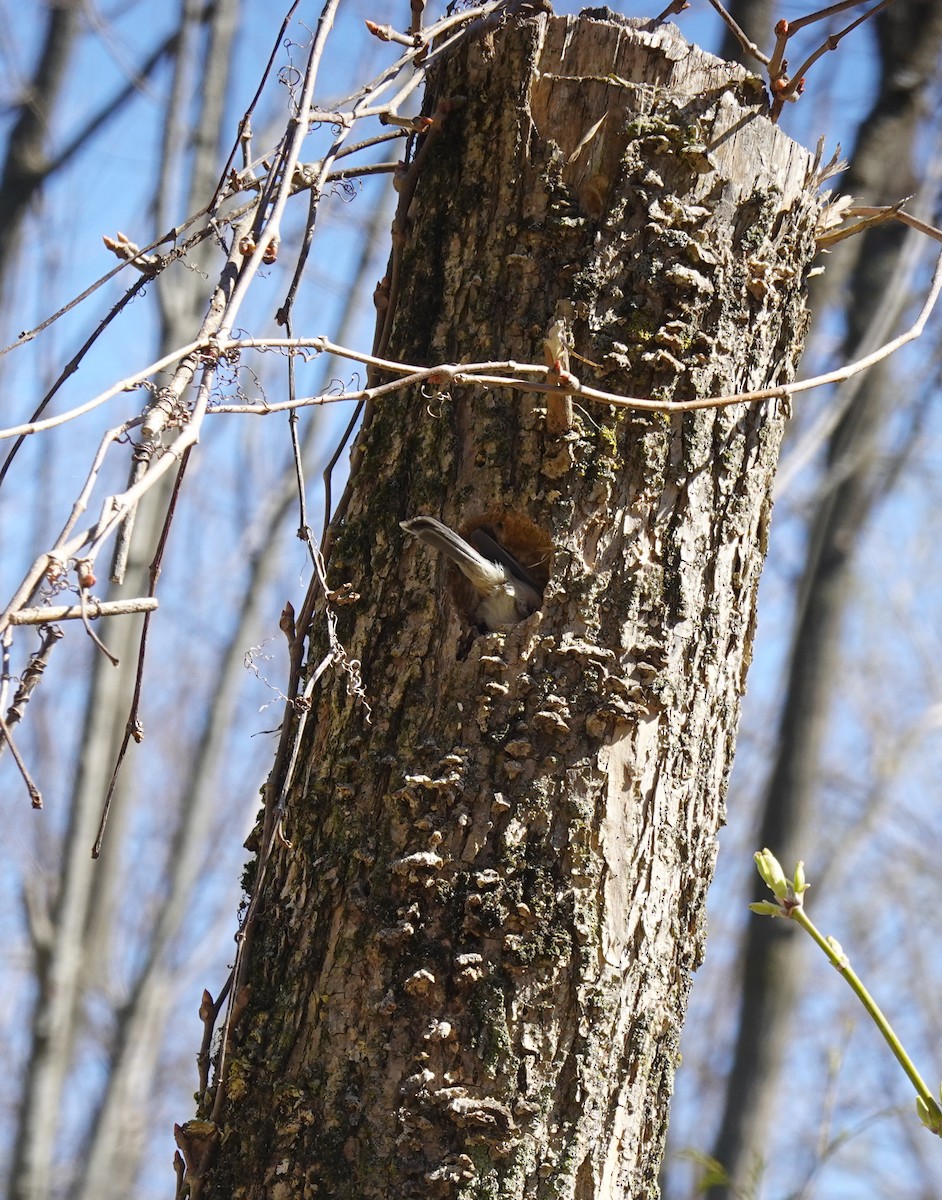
(470,960)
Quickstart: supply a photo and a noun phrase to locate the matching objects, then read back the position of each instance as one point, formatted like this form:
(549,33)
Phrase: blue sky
(112,188)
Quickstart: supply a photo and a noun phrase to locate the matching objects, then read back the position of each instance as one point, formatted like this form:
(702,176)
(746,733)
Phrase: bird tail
(482,572)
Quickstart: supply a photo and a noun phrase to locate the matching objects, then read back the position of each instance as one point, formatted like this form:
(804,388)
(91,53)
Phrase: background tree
(107,973)
(876,433)
(857,469)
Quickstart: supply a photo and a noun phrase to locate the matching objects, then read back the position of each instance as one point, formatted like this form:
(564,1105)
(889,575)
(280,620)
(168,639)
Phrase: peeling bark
(470,967)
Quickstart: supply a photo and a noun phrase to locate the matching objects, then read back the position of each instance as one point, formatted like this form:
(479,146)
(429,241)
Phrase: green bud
(765,909)
(799,882)
(931,1117)
(838,950)
(772,874)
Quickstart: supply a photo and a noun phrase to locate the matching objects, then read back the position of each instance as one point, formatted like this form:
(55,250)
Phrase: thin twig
(247,116)
(35,795)
(831,43)
(328,472)
(739,34)
(787,88)
(86,621)
(132,726)
(386,33)
(283,315)
(31,674)
(478,374)
(124,385)
(296,455)
(821,14)
(675,7)
(875,215)
(73,365)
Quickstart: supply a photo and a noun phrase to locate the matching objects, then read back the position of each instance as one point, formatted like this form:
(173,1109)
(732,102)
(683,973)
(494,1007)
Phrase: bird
(505,592)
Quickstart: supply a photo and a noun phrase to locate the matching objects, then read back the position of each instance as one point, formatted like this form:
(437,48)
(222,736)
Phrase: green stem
(840,961)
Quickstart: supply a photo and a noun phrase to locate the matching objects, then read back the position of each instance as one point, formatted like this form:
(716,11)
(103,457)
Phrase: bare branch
(787,88)
(35,795)
(748,46)
(94,609)
(675,7)
(124,385)
(386,33)
(444,375)
(822,14)
(133,728)
(876,215)
(832,42)
(71,367)
(31,674)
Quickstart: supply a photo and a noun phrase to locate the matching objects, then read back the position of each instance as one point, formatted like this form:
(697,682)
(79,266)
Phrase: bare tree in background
(75,923)
(883,164)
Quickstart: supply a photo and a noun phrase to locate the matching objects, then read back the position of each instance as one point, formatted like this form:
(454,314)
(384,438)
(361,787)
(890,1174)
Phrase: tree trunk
(26,162)
(470,960)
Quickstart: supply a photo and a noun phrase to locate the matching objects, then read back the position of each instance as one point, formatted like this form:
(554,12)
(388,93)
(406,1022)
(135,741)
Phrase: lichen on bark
(471,964)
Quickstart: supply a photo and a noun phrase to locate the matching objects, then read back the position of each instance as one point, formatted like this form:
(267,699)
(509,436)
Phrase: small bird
(505,592)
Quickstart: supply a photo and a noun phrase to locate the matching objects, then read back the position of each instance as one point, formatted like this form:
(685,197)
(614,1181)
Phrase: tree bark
(470,959)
